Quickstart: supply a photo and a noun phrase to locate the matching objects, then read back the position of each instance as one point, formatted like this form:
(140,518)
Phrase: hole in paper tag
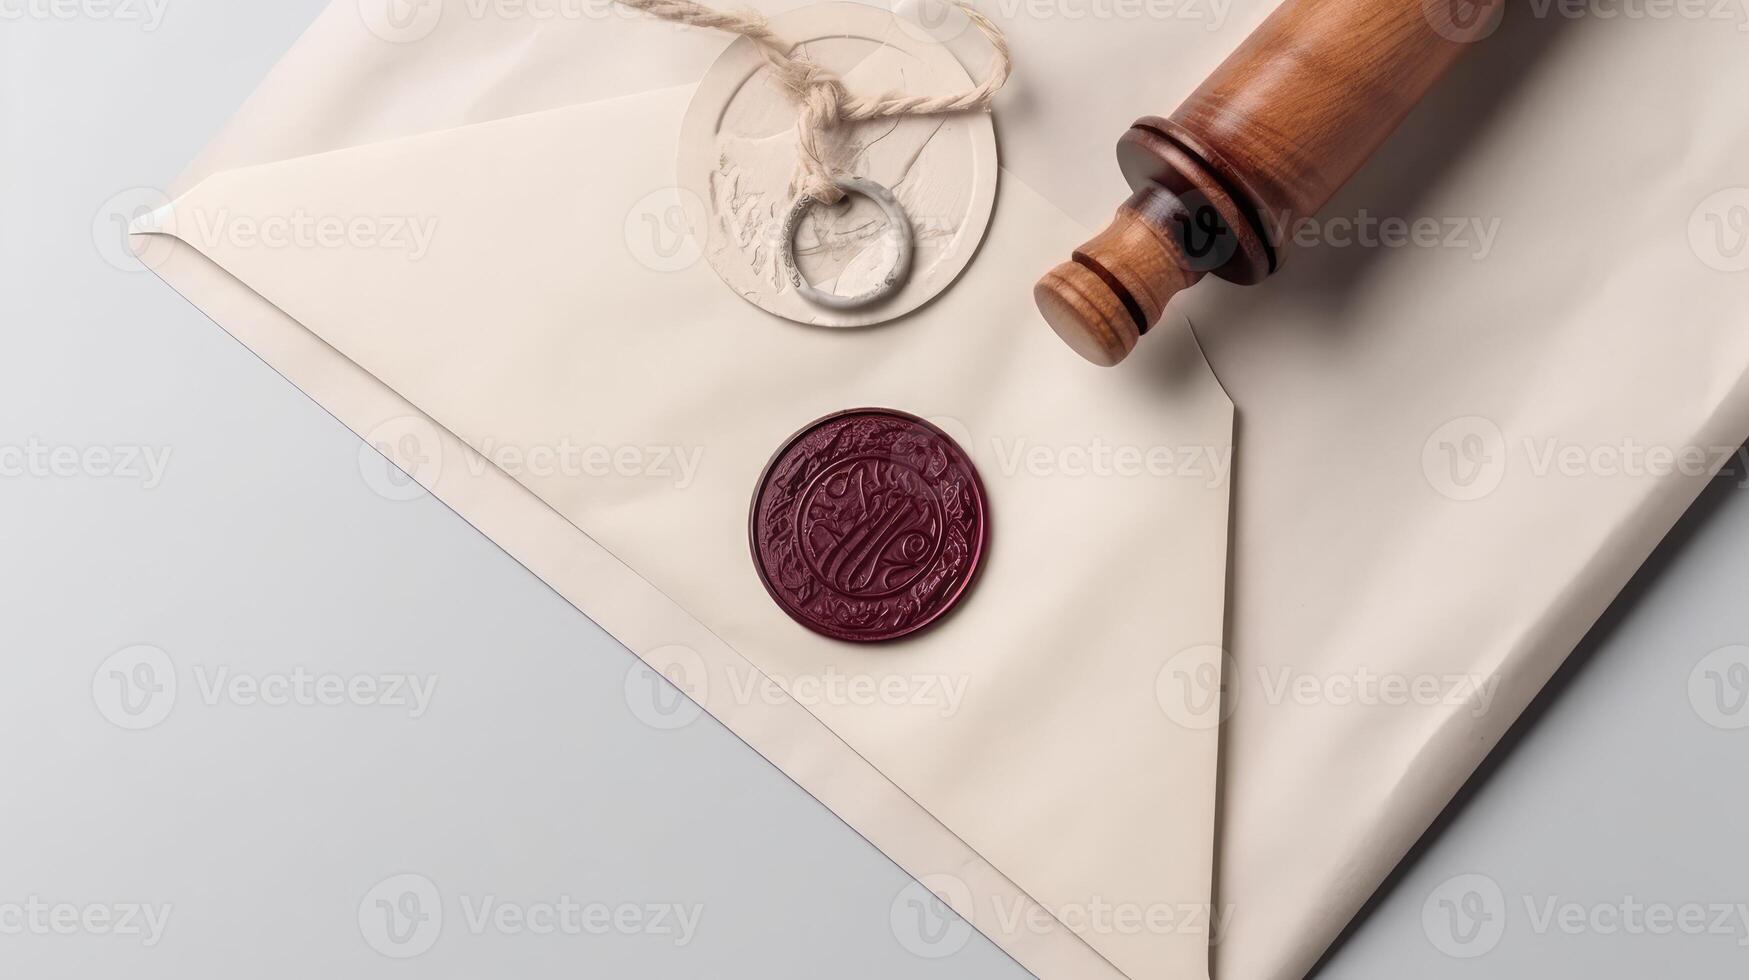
(738,155)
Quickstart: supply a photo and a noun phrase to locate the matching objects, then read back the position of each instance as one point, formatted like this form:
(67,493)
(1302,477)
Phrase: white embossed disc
(738,154)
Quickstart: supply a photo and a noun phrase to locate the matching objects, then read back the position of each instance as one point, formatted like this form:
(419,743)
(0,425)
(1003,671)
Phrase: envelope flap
(530,285)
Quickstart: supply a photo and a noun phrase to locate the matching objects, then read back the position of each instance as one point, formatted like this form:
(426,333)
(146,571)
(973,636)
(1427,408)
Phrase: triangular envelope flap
(495,276)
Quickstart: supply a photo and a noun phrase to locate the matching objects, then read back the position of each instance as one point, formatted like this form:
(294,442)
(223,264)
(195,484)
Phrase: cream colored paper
(780,729)
(528,326)
(1602,313)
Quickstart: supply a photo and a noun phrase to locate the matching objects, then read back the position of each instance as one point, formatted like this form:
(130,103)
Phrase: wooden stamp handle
(1266,141)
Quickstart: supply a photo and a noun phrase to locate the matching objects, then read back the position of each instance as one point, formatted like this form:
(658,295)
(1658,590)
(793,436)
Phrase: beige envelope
(527,325)
(1444,473)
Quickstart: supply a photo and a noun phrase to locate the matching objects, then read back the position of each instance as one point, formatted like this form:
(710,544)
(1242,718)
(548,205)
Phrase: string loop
(823,103)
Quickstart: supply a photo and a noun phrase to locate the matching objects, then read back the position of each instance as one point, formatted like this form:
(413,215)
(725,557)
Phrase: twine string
(824,104)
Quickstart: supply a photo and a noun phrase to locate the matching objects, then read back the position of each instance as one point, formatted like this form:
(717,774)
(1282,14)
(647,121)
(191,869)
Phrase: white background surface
(542,768)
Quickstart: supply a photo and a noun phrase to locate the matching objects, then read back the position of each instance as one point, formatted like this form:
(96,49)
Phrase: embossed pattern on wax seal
(868,525)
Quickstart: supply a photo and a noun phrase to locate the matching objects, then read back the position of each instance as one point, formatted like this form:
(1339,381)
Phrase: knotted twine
(824,104)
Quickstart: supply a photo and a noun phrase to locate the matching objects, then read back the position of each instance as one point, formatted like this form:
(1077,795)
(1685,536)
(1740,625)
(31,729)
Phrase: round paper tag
(738,156)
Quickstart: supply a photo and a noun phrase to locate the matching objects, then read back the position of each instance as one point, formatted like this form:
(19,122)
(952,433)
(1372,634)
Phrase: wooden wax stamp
(1266,141)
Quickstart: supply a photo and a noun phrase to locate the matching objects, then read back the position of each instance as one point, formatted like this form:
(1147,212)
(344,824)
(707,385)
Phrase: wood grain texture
(1264,142)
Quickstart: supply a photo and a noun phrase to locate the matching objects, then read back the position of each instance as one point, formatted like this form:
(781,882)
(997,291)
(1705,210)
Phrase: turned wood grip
(1265,141)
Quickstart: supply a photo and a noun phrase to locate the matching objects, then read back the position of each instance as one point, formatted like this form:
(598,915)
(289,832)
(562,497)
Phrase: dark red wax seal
(868,525)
